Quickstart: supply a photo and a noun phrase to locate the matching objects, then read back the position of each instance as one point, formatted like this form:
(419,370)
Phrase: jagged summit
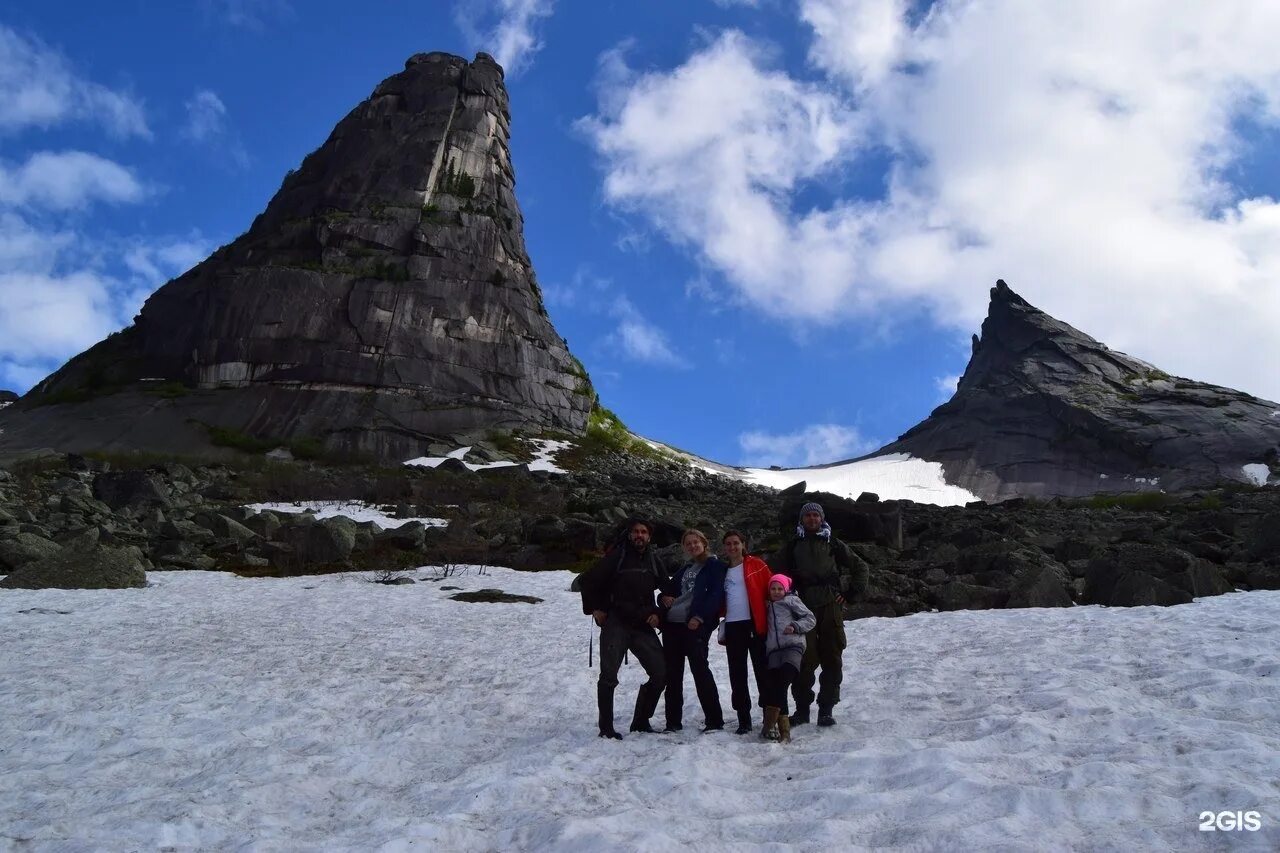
(1044,409)
(384,298)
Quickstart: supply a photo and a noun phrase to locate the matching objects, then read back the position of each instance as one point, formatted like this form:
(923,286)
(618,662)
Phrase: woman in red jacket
(746,588)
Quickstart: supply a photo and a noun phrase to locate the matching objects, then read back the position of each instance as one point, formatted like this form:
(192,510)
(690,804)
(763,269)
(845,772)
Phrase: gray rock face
(384,298)
(1045,410)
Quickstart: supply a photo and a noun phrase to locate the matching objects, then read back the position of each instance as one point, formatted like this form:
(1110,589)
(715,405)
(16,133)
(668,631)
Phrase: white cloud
(249,14)
(814,445)
(710,151)
(1080,151)
(645,342)
(67,180)
(506,29)
(38,88)
(206,116)
(207,124)
(859,40)
(62,292)
(634,336)
(946,387)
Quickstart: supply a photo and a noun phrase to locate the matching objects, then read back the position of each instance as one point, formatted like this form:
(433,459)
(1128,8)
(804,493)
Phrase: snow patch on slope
(1257,473)
(213,712)
(543,459)
(896,476)
(354,510)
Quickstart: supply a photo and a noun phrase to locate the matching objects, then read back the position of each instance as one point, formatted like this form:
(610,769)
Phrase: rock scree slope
(383,299)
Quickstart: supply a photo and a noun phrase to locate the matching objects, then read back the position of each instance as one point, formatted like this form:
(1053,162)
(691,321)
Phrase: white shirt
(737,608)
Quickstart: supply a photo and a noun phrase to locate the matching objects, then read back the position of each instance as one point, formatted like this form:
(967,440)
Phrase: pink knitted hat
(782,579)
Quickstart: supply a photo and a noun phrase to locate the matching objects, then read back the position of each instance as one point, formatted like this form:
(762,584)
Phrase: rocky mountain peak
(383,299)
(1044,409)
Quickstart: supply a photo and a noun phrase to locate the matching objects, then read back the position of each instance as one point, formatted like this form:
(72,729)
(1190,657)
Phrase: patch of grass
(166,390)
(1209,502)
(389,271)
(1138,501)
(236,440)
(457,182)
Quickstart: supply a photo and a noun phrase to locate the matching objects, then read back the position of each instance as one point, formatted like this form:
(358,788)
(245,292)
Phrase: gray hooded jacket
(781,648)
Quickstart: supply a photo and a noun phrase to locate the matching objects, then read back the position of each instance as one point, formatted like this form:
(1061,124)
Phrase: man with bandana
(825,574)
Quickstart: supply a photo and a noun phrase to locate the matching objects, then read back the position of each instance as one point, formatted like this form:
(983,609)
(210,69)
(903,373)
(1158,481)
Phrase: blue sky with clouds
(767,227)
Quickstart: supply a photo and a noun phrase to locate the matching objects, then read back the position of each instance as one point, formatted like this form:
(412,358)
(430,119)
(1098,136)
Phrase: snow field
(214,712)
(895,476)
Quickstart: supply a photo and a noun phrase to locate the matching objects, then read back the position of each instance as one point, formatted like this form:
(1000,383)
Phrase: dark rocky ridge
(1045,410)
(384,298)
(72,521)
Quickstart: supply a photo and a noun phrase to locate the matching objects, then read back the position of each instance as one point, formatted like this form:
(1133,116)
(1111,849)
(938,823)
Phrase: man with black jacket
(825,573)
(618,592)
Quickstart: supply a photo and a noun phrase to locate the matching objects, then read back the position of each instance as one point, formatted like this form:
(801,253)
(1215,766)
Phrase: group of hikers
(784,617)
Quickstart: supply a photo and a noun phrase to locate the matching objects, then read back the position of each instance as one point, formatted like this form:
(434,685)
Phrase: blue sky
(768,228)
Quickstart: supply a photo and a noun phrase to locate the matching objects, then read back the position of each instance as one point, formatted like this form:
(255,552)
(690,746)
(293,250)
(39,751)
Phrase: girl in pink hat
(789,619)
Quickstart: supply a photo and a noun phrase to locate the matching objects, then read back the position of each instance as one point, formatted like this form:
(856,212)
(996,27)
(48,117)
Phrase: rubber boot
(744,722)
(769,729)
(646,704)
(604,700)
(784,728)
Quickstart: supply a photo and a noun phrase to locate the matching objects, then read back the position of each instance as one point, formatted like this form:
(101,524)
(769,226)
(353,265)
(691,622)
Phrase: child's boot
(784,728)
(769,730)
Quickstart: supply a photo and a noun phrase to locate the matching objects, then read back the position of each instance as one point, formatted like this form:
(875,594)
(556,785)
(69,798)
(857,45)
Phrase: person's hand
(695,623)
(667,600)
(790,629)
(652,620)
(599,616)
(839,599)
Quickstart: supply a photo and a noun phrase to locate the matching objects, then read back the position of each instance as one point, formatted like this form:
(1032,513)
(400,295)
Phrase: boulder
(409,536)
(1039,586)
(134,489)
(327,541)
(94,567)
(23,549)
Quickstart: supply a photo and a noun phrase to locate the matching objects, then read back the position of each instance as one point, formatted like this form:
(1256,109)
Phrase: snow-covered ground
(543,459)
(327,713)
(354,510)
(896,476)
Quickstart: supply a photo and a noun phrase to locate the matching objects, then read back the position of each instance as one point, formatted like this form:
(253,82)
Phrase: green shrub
(166,390)
(236,440)
(1137,502)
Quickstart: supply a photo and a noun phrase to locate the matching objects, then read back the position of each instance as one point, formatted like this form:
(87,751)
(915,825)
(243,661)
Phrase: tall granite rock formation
(1045,410)
(383,299)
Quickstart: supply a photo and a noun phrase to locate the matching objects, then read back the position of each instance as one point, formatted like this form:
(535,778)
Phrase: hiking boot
(769,728)
(674,727)
(643,727)
(824,715)
(784,728)
(744,722)
(609,733)
(713,727)
(801,715)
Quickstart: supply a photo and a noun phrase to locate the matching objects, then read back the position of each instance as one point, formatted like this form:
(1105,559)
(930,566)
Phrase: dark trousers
(678,645)
(740,643)
(616,638)
(780,678)
(824,646)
